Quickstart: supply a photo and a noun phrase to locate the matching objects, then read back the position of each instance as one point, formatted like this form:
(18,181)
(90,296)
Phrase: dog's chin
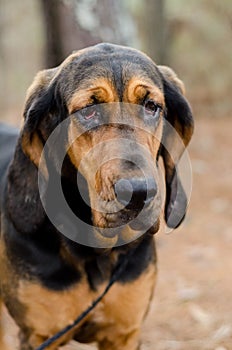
(103,241)
(121,231)
(109,238)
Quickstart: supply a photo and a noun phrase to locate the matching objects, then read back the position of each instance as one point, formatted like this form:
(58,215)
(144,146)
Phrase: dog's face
(117,100)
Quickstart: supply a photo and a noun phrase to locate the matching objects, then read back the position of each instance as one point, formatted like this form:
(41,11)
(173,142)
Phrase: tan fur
(118,316)
(125,311)
(58,308)
(33,148)
(100,88)
(117,319)
(137,89)
(101,179)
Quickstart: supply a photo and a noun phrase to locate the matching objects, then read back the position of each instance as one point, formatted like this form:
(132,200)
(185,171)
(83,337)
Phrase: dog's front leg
(33,341)
(28,342)
(125,309)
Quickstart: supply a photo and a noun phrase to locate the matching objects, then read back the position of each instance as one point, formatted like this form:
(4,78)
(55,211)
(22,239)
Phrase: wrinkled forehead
(118,66)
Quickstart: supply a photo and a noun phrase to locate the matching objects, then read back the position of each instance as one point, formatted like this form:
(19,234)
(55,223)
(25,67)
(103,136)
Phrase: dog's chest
(49,311)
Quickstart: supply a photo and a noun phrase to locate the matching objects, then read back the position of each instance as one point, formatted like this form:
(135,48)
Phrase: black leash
(120,268)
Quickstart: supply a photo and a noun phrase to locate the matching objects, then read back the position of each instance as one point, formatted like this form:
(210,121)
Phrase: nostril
(135,193)
(123,190)
(151,189)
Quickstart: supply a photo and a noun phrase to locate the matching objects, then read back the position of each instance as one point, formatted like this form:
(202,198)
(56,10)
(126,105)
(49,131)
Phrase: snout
(135,193)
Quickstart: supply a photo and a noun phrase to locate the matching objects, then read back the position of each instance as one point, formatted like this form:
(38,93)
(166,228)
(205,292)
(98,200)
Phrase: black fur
(33,242)
(179,115)
(35,249)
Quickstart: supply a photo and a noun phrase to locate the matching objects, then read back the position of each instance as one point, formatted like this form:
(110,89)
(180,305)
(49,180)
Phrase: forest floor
(192,304)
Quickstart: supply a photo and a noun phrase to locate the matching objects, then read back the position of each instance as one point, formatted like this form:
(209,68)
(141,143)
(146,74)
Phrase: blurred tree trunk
(74,24)
(152,25)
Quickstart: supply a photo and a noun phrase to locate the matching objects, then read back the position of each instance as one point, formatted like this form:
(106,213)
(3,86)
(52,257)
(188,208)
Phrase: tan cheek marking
(149,140)
(77,146)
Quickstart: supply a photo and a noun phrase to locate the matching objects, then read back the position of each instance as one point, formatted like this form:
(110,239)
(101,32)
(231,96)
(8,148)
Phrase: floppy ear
(178,131)
(40,101)
(23,200)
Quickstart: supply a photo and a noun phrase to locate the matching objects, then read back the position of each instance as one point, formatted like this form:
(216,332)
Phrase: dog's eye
(89,112)
(151,107)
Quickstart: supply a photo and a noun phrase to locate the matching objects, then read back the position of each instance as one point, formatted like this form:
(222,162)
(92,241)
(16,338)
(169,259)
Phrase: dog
(109,107)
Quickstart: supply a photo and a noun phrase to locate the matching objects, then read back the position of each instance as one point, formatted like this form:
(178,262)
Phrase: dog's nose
(135,193)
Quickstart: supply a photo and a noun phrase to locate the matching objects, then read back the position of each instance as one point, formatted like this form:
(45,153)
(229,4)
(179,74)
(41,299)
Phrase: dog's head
(119,103)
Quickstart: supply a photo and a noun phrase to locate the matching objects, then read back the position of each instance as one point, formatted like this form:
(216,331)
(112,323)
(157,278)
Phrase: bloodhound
(108,108)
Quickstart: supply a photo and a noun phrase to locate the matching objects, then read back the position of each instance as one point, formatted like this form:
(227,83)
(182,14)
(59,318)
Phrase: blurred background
(192,305)
(194,37)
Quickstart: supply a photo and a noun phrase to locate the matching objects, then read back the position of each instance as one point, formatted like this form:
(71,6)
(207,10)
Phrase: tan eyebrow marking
(137,89)
(101,89)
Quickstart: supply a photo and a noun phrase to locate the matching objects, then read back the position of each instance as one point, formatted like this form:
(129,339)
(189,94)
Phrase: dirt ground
(192,304)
